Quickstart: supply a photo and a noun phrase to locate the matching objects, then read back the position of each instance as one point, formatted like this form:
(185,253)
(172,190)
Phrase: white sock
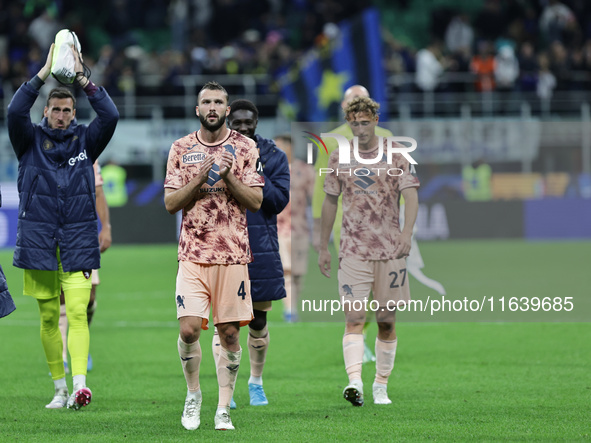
(190,355)
(227,369)
(194,394)
(258,345)
(353,355)
(79,381)
(385,356)
(60,384)
(220,410)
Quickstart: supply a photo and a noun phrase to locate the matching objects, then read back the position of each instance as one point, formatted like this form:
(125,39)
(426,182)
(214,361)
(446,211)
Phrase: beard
(212,127)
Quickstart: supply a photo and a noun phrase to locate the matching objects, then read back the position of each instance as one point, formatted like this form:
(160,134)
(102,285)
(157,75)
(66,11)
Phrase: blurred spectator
(530,24)
(35,62)
(43,29)
(559,65)
(556,18)
(587,55)
(506,69)
(578,76)
(476,181)
(490,21)
(483,65)
(114,178)
(546,80)
(529,68)
(120,21)
(459,34)
(179,27)
(460,63)
(429,68)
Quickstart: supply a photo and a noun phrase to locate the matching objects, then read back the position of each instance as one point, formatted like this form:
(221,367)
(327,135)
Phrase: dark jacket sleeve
(20,128)
(276,189)
(102,128)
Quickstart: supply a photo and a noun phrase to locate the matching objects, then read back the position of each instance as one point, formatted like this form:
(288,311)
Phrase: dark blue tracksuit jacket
(266,271)
(56,184)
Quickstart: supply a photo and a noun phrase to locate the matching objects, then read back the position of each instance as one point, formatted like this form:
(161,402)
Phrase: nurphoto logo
(394,145)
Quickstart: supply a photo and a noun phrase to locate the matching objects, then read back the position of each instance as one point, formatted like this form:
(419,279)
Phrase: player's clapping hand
(203,173)
(78,60)
(402,245)
(324,259)
(226,164)
(46,69)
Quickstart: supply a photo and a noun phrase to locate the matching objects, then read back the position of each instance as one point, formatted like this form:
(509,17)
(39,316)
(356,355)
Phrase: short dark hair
(213,86)
(61,93)
(243,104)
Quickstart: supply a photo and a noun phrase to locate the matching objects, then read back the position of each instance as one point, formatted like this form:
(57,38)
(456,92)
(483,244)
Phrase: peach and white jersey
(371,202)
(213,228)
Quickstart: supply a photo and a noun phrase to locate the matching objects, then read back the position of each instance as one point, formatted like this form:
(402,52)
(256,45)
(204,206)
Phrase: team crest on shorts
(86,274)
(180,301)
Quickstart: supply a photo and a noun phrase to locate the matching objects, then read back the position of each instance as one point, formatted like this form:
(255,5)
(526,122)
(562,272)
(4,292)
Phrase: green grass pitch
(461,380)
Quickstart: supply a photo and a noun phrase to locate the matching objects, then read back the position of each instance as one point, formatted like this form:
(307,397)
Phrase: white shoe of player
(354,393)
(223,422)
(192,413)
(380,395)
(60,399)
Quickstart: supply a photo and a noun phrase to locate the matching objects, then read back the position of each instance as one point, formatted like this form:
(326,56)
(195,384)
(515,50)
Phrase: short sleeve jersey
(213,229)
(371,202)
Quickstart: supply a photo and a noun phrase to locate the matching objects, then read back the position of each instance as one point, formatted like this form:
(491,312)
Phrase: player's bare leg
(190,355)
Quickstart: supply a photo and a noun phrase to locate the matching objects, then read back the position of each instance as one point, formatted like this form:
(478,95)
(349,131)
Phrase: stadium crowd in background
(510,46)
(531,46)
(148,51)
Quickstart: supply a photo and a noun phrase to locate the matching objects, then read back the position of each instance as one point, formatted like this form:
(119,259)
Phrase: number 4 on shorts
(241,290)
